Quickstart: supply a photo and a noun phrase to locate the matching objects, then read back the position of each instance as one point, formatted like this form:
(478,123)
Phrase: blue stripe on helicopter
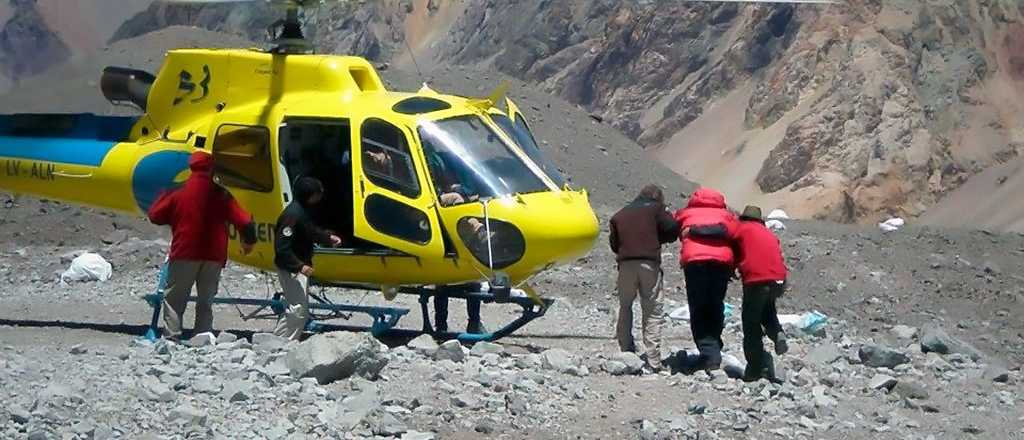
(77,139)
(155,174)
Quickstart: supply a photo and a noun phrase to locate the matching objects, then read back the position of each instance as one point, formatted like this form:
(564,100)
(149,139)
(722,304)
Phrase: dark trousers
(760,318)
(441,309)
(706,284)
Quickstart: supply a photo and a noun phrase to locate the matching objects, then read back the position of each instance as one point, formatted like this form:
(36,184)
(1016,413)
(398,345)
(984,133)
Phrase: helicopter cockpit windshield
(520,133)
(468,161)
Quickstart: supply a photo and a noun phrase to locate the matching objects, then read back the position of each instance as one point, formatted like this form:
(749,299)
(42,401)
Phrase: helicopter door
(243,163)
(392,204)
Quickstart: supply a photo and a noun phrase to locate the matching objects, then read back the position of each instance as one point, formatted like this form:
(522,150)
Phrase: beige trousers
(181,276)
(293,323)
(643,278)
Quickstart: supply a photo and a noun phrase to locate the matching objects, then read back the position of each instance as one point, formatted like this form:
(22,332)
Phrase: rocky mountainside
(845,112)
(369,29)
(27,45)
(36,35)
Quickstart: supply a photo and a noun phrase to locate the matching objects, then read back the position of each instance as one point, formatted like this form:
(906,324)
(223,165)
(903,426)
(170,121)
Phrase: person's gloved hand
(781,291)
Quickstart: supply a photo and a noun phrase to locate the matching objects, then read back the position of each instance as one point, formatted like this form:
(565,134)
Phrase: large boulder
(824,355)
(334,356)
(559,360)
(935,340)
(624,363)
(450,350)
(484,348)
(268,342)
(880,356)
(882,381)
(909,389)
(423,344)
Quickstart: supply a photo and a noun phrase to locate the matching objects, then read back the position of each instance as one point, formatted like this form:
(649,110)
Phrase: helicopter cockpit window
(468,161)
(520,132)
(387,161)
(241,156)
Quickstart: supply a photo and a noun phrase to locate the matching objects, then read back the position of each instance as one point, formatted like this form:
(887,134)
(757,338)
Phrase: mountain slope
(846,112)
(73,87)
(27,45)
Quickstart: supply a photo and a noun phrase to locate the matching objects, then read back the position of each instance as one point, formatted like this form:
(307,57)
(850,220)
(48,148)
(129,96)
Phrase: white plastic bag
(775,225)
(778,214)
(680,314)
(683,313)
(892,224)
(789,319)
(813,321)
(88,267)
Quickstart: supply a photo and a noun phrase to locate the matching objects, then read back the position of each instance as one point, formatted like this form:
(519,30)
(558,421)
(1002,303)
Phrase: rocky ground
(73,366)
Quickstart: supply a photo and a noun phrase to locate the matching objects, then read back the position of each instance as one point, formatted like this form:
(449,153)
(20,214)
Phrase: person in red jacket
(763,270)
(707,227)
(198,214)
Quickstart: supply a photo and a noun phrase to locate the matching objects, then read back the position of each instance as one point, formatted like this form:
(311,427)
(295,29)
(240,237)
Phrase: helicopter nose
(567,231)
(528,233)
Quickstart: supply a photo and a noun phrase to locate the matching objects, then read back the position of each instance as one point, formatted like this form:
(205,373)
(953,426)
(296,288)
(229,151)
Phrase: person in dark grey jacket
(637,233)
(294,238)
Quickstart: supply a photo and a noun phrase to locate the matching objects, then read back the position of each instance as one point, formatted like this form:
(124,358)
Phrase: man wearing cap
(637,233)
(763,270)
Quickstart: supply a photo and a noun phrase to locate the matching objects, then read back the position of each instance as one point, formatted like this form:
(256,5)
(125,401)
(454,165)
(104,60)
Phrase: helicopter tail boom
(76,158)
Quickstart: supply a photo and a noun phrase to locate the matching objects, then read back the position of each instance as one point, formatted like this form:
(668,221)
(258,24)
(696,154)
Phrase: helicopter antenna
(414,63)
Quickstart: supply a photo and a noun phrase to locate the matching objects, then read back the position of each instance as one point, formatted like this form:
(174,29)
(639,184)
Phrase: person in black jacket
(294,238)
(637,233)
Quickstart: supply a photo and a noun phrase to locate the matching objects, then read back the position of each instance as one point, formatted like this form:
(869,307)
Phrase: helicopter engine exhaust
(122,85)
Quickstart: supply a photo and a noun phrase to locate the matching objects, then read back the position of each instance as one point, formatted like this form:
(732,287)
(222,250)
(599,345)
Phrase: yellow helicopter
(428,189)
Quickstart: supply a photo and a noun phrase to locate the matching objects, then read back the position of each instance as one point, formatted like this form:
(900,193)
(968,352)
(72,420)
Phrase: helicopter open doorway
(323,149)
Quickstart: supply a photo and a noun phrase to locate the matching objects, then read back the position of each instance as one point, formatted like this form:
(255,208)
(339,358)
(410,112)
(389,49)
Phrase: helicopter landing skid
(385,319)
(531,309)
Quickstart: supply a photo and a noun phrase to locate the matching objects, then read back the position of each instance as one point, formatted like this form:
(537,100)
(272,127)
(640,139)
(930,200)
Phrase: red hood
(706,198)
(201,163)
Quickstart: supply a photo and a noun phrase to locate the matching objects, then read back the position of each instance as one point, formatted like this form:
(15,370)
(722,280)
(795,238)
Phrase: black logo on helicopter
(187,88)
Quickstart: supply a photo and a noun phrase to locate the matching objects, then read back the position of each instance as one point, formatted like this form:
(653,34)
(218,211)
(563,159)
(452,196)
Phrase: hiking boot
(476,328)
(751,376)
(706,362)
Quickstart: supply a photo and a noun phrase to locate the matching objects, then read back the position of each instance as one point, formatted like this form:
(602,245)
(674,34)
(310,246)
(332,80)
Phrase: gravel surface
(73,366)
